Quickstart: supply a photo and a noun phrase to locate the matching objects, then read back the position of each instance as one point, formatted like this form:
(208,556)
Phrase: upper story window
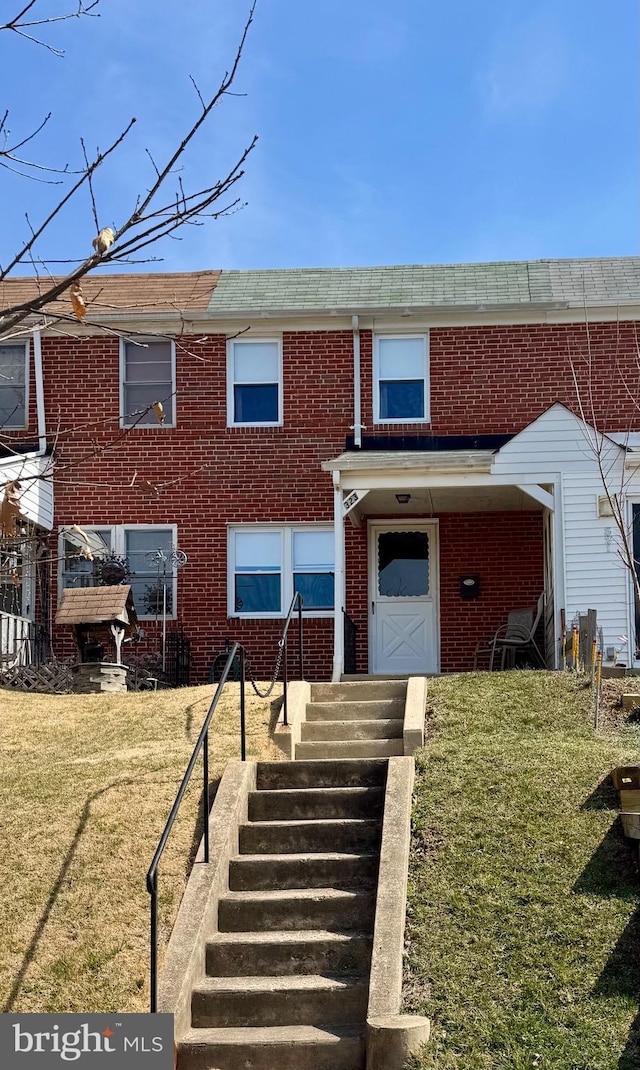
(254,383)
(269,564)
(148,375)
(13,386)
(146,551)
(401,379)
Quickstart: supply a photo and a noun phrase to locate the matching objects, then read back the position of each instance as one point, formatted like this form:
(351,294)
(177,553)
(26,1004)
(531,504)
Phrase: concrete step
(338,730)
(356,711)
(220,1002)
(359,690)
(288,953)
(292,837)
(356,748)
(321,774)
(272,1048)
(310,803)
(315,908)
(255,872)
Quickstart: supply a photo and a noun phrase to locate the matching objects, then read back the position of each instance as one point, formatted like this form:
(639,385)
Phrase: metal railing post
(243,734)
(153,938)
(205,793)
(285,681)
(300,639)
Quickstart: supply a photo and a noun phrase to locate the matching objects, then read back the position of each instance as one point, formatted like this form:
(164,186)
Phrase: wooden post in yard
(596,714)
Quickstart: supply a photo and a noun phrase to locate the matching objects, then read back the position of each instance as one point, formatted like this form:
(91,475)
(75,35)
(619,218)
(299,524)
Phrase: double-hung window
(13,386)
(254,383)
(87,557)
(269,564)
(401,379)
(148,375)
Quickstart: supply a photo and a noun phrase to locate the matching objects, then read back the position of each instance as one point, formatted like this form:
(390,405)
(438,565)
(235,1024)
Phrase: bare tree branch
(149,220)
(19,23)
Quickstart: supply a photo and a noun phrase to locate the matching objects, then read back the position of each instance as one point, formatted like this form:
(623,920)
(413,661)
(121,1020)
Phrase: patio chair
(516,636)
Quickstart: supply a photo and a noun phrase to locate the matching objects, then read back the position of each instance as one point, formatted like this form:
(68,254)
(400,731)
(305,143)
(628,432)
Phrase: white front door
(403,598)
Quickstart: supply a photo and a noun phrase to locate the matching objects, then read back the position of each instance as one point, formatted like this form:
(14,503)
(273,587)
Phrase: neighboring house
(369,437)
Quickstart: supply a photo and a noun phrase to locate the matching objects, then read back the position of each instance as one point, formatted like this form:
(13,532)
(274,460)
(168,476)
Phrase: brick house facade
(272,383)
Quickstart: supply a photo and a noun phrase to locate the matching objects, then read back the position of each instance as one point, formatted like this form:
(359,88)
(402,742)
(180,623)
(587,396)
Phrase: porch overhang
(388,485)
(458,481)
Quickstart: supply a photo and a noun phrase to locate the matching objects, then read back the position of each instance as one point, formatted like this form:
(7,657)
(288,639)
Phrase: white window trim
(286,588)
(27,369)
(377,419)
(118,547)
(123,414)
(231,342)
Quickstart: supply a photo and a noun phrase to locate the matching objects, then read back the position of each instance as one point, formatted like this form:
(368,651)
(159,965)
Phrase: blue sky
(404,132)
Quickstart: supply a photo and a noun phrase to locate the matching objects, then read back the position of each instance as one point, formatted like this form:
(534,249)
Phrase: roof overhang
(379,461)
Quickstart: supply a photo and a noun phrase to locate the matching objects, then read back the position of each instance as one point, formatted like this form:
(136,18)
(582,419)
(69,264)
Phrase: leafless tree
(610,455)
(158,212)
(159,207)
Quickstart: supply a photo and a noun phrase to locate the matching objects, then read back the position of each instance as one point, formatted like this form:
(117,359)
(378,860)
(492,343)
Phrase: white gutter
(357,402)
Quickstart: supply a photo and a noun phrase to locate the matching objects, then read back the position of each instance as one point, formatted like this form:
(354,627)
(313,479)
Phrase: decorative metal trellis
(161,560)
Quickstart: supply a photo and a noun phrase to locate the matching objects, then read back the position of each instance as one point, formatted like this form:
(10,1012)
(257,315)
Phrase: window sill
(137,426)
(423,421)
(265,423)
(307,614)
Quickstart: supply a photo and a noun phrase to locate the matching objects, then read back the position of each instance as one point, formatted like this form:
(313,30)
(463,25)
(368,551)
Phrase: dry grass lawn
(86,786)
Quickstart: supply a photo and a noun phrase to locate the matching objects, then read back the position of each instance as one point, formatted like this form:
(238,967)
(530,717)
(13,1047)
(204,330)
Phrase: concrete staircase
(354,719)
(287,972)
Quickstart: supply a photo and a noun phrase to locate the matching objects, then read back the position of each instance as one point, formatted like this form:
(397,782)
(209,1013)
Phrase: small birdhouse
(101,618)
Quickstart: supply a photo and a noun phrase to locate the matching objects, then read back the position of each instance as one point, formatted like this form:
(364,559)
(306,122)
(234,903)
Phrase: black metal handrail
(296,603)
(202,744)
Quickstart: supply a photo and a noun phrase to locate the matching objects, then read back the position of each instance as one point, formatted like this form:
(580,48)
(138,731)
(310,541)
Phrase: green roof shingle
(615,280)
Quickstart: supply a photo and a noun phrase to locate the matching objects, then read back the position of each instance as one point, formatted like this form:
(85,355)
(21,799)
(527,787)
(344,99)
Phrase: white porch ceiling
(434,500)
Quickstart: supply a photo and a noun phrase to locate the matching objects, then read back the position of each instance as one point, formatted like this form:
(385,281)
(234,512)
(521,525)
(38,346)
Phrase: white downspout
(338,621)
(40,411)
(357,402)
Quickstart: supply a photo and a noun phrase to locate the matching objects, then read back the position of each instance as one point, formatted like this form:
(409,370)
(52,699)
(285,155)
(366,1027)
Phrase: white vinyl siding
(556,446)
(147,376)
(36,491)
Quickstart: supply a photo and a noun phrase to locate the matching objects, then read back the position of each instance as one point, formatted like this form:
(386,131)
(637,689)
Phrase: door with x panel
(403,598)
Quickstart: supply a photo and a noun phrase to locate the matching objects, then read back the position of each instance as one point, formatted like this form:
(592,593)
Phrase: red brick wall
(497,379)
(504,549)
(203,475)
(484,379)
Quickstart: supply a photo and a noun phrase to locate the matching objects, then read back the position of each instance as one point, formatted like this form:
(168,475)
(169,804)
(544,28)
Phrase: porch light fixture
(402,499)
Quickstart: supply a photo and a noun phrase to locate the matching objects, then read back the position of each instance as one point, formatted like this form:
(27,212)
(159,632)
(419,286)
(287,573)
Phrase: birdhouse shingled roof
(97,605)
